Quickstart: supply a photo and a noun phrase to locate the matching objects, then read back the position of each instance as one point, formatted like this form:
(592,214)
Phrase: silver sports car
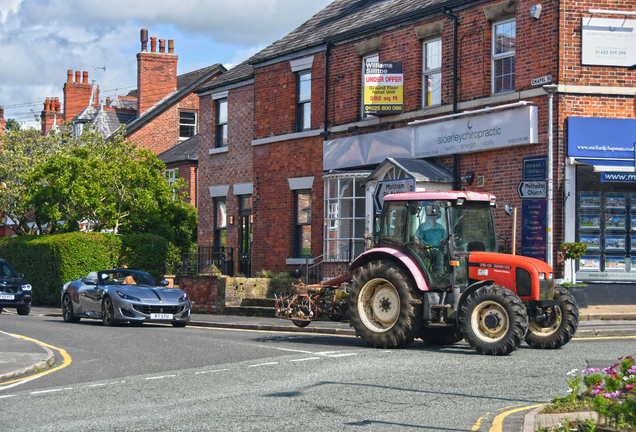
(124,295)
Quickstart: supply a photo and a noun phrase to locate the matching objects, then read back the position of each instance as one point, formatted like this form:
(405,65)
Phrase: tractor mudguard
(392,254)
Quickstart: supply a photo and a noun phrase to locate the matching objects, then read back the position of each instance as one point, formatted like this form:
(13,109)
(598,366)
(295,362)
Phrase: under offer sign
(533,189)
(383,88)
(390,187)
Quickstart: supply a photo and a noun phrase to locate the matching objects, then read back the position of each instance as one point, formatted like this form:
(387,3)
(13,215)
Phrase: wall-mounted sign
(534,237)
(608,41)
(383,88)
(618,177)
(390,187)
(541,80)
(606,138)
(484,132)
(533,189)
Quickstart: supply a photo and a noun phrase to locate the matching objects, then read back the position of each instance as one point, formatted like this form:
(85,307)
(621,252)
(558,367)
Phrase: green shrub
(50,261)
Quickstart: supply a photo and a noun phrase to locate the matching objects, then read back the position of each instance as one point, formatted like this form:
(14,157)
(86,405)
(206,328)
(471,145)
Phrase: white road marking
(342,355)
(264,364)
(286,349)
(325,352)
(306,359)
(212,371)
(6,396)
(52,391)
(161,377)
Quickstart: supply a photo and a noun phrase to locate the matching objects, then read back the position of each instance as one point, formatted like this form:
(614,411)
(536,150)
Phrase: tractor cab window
(473,228)
(393,222)
(427,240)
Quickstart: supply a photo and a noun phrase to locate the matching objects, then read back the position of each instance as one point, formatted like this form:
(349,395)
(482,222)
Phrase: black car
(15,292)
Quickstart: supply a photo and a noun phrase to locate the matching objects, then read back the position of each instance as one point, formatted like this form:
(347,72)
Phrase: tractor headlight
(126,296)
(550,276)
(541,276)
(26,287)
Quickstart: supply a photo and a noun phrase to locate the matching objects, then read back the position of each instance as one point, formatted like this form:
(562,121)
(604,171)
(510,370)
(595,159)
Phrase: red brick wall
(156,78)
(202,291)
(274,201)
(229,168)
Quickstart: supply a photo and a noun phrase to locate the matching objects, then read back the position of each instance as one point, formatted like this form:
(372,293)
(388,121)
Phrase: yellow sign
(383,88)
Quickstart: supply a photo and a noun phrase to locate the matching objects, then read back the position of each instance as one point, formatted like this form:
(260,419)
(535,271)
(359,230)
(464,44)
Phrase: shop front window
(606,222)
(345,207)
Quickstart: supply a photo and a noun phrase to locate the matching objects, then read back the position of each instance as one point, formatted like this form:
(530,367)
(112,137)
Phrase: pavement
(22,356)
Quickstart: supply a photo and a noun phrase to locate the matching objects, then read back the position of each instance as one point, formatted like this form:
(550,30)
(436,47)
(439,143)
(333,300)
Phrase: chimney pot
(47,104)
(1,112)
(69,75)
(57,104)
(144,39)
(162,45)
(107,100)
(170,46)
(78,76)
(153,44)
(85,77)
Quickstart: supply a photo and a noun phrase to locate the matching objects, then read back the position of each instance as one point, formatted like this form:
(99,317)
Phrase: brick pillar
(156,75)
(77,95)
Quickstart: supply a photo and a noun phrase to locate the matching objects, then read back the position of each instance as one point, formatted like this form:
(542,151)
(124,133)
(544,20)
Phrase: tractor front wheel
(560,324)
(493,320)
(384,307)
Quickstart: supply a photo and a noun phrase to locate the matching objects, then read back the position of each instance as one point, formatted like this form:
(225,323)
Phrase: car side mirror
(87,281)
(165,282)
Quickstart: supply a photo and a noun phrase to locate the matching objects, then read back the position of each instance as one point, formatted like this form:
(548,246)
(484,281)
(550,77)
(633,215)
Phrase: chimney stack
(107,100)
(49,115)
(3,122)
(77,95)
(156,74)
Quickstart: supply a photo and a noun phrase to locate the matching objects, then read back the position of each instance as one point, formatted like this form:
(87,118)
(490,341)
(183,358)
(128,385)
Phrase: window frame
(301,104)
(430,72)
(299,226)
(218,229)
(336,224)
(501,56)
(221,126)
(188,125)
(376,55)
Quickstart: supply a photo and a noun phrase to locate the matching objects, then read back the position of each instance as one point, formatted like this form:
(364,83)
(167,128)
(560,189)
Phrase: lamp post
(550,89)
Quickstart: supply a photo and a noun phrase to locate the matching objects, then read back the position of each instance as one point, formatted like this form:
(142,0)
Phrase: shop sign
(601,138)
(608,41)
(470,134)
(390,187)
(618,177)
(534,224)
(383,88)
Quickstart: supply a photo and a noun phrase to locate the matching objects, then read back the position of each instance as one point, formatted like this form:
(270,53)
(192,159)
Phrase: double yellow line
(497,423)
(66,361)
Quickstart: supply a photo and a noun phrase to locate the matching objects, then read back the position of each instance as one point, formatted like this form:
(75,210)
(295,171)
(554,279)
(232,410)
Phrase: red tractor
(436,275)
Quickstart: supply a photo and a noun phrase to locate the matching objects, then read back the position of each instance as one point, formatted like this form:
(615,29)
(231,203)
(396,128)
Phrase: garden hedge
(48,262)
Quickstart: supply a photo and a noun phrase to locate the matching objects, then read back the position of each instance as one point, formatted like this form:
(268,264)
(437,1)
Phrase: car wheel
(25,310)
(179,323)
(108,312)
(67,310)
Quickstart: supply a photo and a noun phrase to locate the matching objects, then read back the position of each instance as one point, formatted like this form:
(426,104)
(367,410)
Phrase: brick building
(481,83)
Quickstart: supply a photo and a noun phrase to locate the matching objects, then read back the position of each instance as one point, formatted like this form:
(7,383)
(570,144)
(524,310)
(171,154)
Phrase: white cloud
(41,39)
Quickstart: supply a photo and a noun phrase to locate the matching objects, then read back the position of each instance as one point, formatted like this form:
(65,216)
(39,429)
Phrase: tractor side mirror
(443,246)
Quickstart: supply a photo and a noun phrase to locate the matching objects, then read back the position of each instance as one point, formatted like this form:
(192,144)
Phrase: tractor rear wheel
(493,320)
(441,336)
(560,325)
(384,307)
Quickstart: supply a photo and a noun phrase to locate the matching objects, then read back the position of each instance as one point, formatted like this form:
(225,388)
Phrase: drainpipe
(327,53)
(446,13)
(550,89)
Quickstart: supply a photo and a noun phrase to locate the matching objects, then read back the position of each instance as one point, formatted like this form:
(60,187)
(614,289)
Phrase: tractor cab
(439,232)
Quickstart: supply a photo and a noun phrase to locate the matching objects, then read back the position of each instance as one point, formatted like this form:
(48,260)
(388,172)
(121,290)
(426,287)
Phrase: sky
(41,39)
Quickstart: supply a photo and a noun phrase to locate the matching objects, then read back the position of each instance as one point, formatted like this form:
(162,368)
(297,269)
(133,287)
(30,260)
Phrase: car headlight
(184,297)
(25,287)
(126,296)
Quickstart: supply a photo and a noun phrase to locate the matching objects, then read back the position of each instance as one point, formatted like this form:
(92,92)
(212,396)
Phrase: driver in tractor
(431,233)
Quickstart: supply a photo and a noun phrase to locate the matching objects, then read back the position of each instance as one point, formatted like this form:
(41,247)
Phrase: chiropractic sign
(608,41)
(383,88)
(470,134)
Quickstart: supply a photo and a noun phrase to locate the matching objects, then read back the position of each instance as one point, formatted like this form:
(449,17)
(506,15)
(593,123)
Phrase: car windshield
(6,271)
(124,277)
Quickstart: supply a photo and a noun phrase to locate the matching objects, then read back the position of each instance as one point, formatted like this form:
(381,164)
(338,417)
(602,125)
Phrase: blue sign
(534,235)
(618,177)
(601,137)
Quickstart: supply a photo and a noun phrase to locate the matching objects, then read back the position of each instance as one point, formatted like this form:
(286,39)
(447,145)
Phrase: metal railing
(208,260)
(330,264)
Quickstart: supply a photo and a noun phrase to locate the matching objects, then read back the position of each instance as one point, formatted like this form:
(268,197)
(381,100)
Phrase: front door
(245,235)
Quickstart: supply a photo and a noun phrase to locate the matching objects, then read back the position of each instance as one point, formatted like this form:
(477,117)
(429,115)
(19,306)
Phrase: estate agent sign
(383,88)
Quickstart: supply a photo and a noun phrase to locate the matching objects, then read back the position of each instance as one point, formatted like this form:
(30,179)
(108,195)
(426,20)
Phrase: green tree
(12,125)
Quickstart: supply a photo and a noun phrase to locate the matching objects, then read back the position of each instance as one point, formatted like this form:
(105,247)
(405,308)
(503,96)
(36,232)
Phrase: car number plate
(6,297)
(160,316)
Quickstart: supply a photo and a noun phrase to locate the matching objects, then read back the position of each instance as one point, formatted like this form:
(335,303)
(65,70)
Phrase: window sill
(298,261)
(286,137)
(218,150)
